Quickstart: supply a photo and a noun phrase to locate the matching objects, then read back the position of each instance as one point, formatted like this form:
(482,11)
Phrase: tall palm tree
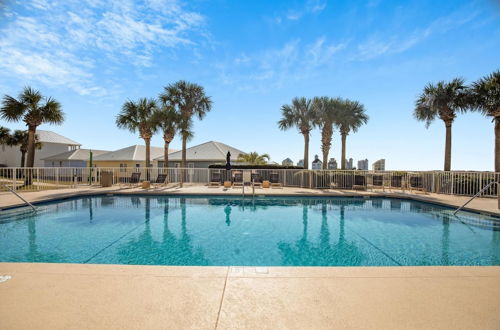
(34,109)
(326,114)
(138,116)
(486,99)
(167,119)
(299,114)
(189,100)
(442,100)
(253,158)
(351,116)
(21,138)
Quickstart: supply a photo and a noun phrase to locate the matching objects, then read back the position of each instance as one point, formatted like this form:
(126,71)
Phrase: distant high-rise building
(287,162)
(300,163)
(317,164)
(363,165)
(332,164)
(349,164)
(379,165)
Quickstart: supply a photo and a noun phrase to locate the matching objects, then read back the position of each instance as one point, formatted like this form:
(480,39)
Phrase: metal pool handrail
(25,201)
(476,195)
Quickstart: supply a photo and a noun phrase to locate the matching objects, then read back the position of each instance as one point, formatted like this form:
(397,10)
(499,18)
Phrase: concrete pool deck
(481,205)
(69,296)
(66,296)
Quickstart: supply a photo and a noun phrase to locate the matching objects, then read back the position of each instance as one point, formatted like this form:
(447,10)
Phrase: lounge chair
(416,182)
(161,180)
(257,180)
(238,180)
(274,180)
(215,179)
(134,180)
(359,182)
(397,182)
(377,182)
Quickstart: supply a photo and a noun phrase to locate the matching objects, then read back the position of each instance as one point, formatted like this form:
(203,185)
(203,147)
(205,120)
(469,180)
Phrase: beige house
(201,155)
(129,157)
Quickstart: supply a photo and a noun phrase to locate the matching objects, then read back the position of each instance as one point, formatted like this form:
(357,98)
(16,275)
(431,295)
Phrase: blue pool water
(267,231)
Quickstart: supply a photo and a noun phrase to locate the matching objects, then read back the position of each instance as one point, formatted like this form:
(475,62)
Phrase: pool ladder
(25,201)
(476,195)
(243,189)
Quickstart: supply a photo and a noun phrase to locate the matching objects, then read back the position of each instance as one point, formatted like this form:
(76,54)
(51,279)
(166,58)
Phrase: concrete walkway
(67,296)
(484,205)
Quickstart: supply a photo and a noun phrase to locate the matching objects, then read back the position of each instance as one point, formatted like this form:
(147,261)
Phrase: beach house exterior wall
(52,144)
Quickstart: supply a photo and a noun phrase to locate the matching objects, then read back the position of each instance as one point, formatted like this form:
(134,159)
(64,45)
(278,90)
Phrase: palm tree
(253,158)
(167,119)
(189,100)
(486,98)
(4,134)
(138,116)
(326,115)
(21,139)
(34,109)
(351,116)
(299,114)
(442,100)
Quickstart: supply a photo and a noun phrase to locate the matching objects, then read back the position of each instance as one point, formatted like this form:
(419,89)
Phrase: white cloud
(295,60)
(310,7)
(53,42)
(377,45)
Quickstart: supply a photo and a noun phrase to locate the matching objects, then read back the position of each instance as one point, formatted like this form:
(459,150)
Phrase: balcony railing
(452,183)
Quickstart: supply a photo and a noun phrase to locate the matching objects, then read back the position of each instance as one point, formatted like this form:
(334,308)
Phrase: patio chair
(377,182)
(359,182)
(416,182)
(397,182)
(257,180)
(161,180)
(274,180)
(134,180)
(238,180)
(215,179)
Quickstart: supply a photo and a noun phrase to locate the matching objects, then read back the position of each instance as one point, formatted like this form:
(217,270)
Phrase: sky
(252,57)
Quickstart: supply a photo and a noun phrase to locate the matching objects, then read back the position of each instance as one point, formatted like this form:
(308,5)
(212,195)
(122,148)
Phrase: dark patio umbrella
(228,161)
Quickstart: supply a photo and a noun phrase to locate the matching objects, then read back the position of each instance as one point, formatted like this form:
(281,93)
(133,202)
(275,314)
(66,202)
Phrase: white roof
(208,151)
(51,137)
(132,153)
(78,154)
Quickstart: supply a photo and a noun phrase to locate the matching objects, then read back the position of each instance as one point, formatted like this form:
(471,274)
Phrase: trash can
(106,179)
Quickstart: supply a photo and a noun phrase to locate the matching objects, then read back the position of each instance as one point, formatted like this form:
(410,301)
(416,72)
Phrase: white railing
(452,183)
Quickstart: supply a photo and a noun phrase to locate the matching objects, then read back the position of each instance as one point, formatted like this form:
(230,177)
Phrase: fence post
(14,178)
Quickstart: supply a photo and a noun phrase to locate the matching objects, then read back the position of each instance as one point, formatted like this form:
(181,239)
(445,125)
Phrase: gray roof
(208,151)
(78,154)
(132,153)
(51,137)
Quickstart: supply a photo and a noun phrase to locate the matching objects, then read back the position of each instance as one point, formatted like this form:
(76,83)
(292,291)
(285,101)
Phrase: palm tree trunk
(23,158)
(165,153)
(497,144)
(31,146)
(183,162)
(306,150)
(447,148)
(326,143)
(148,156)
(342,166)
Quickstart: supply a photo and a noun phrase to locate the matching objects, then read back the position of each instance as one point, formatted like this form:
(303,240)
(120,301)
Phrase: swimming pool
(266,231)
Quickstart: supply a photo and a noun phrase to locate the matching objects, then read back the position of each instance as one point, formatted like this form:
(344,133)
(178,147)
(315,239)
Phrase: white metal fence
(454,182)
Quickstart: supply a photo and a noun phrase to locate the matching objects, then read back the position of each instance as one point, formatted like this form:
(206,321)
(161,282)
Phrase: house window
(177,165)
(123,167)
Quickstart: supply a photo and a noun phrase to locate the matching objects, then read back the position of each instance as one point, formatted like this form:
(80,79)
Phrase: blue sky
(252,57)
